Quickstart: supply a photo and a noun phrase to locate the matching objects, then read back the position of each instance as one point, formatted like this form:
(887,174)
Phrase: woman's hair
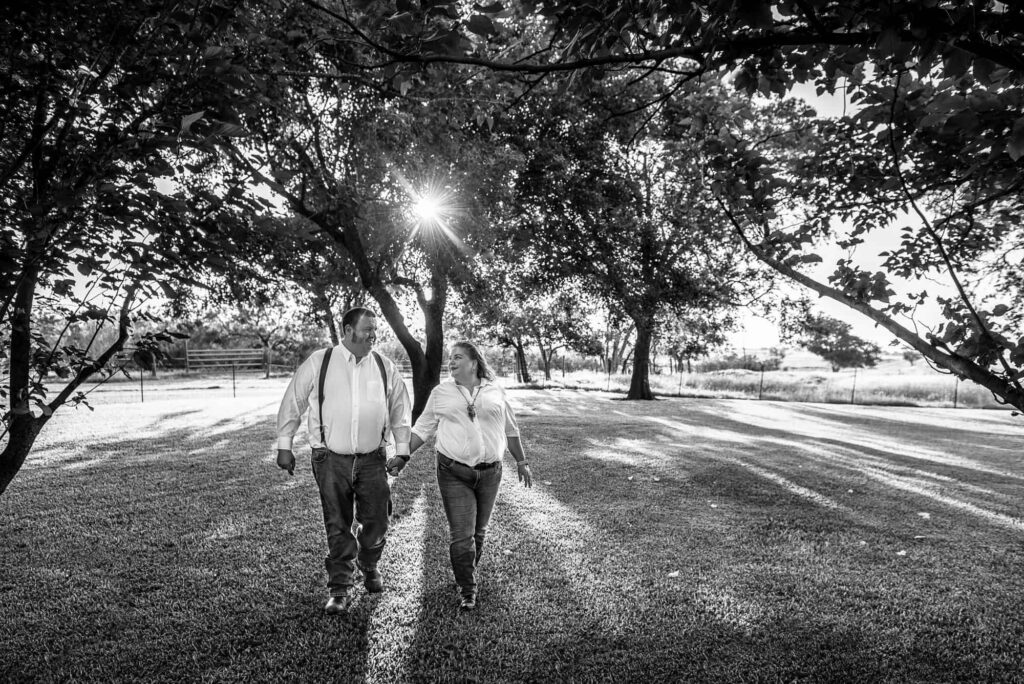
(482,369)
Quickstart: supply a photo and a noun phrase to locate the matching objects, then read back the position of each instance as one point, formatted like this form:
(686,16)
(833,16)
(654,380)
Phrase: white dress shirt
(461,438)
(355,414)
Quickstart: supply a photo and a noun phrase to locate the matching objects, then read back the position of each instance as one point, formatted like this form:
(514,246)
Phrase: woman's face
(460,363)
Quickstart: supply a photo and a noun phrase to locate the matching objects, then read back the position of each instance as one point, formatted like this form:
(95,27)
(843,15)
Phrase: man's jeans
(468,496)
(352,483)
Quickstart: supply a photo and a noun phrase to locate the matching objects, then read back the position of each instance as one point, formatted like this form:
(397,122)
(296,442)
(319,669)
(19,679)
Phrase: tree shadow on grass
(561,601)
(157,563)
(758,557)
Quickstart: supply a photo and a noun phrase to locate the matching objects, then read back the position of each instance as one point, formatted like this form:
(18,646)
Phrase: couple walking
(359,396)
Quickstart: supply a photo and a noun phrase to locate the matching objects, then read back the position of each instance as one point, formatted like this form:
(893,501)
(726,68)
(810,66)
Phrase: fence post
(142,388)
(760,389)
(853,390)
(186,357)
(233,394)
(956,388)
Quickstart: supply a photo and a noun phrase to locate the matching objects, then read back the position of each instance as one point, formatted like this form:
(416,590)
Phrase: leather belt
(335,453)
(478,466)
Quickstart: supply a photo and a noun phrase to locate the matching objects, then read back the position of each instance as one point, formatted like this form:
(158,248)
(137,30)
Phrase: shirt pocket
(374,391)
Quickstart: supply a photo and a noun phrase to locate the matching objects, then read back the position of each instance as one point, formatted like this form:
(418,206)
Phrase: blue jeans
(468,496)
(352,484)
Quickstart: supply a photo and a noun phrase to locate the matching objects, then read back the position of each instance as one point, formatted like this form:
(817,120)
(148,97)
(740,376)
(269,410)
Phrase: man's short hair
(354,315)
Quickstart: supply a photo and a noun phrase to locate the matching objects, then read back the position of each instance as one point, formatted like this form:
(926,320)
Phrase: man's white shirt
(468,440)
(354,411)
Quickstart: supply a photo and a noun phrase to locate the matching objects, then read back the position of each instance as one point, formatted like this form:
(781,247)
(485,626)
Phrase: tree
(100,104)
(619,201)
(352,160)
(268,316)
(515,310)
(832,340)
(692,335)
(278,250)
(935,85)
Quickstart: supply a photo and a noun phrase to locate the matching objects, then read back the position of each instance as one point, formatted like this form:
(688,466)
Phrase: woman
(474,424)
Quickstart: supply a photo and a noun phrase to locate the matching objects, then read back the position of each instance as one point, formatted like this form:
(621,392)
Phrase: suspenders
(322,384)
(320,393)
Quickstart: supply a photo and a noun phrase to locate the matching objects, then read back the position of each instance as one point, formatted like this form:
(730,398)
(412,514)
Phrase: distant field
(893,382)
(914,387)
(678,540)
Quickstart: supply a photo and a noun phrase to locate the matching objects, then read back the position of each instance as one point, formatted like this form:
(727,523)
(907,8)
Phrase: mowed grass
(677,540)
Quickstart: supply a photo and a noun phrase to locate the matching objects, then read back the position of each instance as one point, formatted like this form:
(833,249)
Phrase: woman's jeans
(468,496)
(352,483)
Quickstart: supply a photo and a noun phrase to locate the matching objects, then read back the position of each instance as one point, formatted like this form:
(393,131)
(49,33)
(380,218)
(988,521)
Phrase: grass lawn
(677,540)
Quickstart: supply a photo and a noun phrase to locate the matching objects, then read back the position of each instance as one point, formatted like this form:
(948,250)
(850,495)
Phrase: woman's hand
(395,464)
(525,476)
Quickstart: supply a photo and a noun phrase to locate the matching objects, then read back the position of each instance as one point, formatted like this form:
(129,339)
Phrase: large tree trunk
(328,316)
(267,357)
(429,374)
(640,385)
(23,427)
(545,359)
(426,371)
(421,376)
(523,369)
(22,433)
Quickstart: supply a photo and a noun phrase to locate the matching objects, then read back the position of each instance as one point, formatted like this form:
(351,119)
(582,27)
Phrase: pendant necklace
(471,405)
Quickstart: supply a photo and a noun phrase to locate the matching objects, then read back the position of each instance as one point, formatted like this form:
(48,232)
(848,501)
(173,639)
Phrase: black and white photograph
(520,341)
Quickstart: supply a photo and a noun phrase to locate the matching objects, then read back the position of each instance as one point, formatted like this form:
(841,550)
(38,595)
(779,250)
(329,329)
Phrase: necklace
(471,402)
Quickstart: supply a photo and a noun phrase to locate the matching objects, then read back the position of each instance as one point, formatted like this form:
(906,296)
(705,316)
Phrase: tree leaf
(756,13)
(888,41)
(481,25)
(1015,147)
(189,119)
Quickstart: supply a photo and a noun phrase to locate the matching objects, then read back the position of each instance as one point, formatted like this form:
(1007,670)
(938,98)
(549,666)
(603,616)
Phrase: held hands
(525,476)
(395,465)
(286,460)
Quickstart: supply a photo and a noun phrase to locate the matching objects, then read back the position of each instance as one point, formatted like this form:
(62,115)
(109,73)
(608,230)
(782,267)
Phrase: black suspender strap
(323,379)
(320,393)
(384,379)
(383,375)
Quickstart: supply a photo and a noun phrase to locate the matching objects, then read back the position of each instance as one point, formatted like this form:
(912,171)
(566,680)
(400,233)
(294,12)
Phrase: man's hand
(286,460)
(524,474)
(395,465)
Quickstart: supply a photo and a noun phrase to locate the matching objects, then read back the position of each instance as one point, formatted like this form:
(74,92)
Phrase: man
(363,396)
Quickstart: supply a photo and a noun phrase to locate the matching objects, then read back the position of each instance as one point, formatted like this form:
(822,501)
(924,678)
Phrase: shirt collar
(484,382)
(347,353)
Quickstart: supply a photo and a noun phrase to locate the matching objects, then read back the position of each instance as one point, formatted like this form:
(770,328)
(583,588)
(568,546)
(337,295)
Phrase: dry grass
(678,540)
(872,386)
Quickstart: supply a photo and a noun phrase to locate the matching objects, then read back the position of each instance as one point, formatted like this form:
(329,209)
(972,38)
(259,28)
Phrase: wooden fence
(223,358)
(240,359)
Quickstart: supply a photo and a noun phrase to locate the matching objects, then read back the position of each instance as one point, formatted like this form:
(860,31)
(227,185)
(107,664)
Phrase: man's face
(363,335)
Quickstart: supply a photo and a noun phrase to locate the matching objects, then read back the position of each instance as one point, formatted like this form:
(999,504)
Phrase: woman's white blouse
(459,437)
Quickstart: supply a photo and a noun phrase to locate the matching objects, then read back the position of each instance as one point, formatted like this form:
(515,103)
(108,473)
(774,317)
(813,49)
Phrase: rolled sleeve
(400,412)
(294,404)
(511,424)
(426,424)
